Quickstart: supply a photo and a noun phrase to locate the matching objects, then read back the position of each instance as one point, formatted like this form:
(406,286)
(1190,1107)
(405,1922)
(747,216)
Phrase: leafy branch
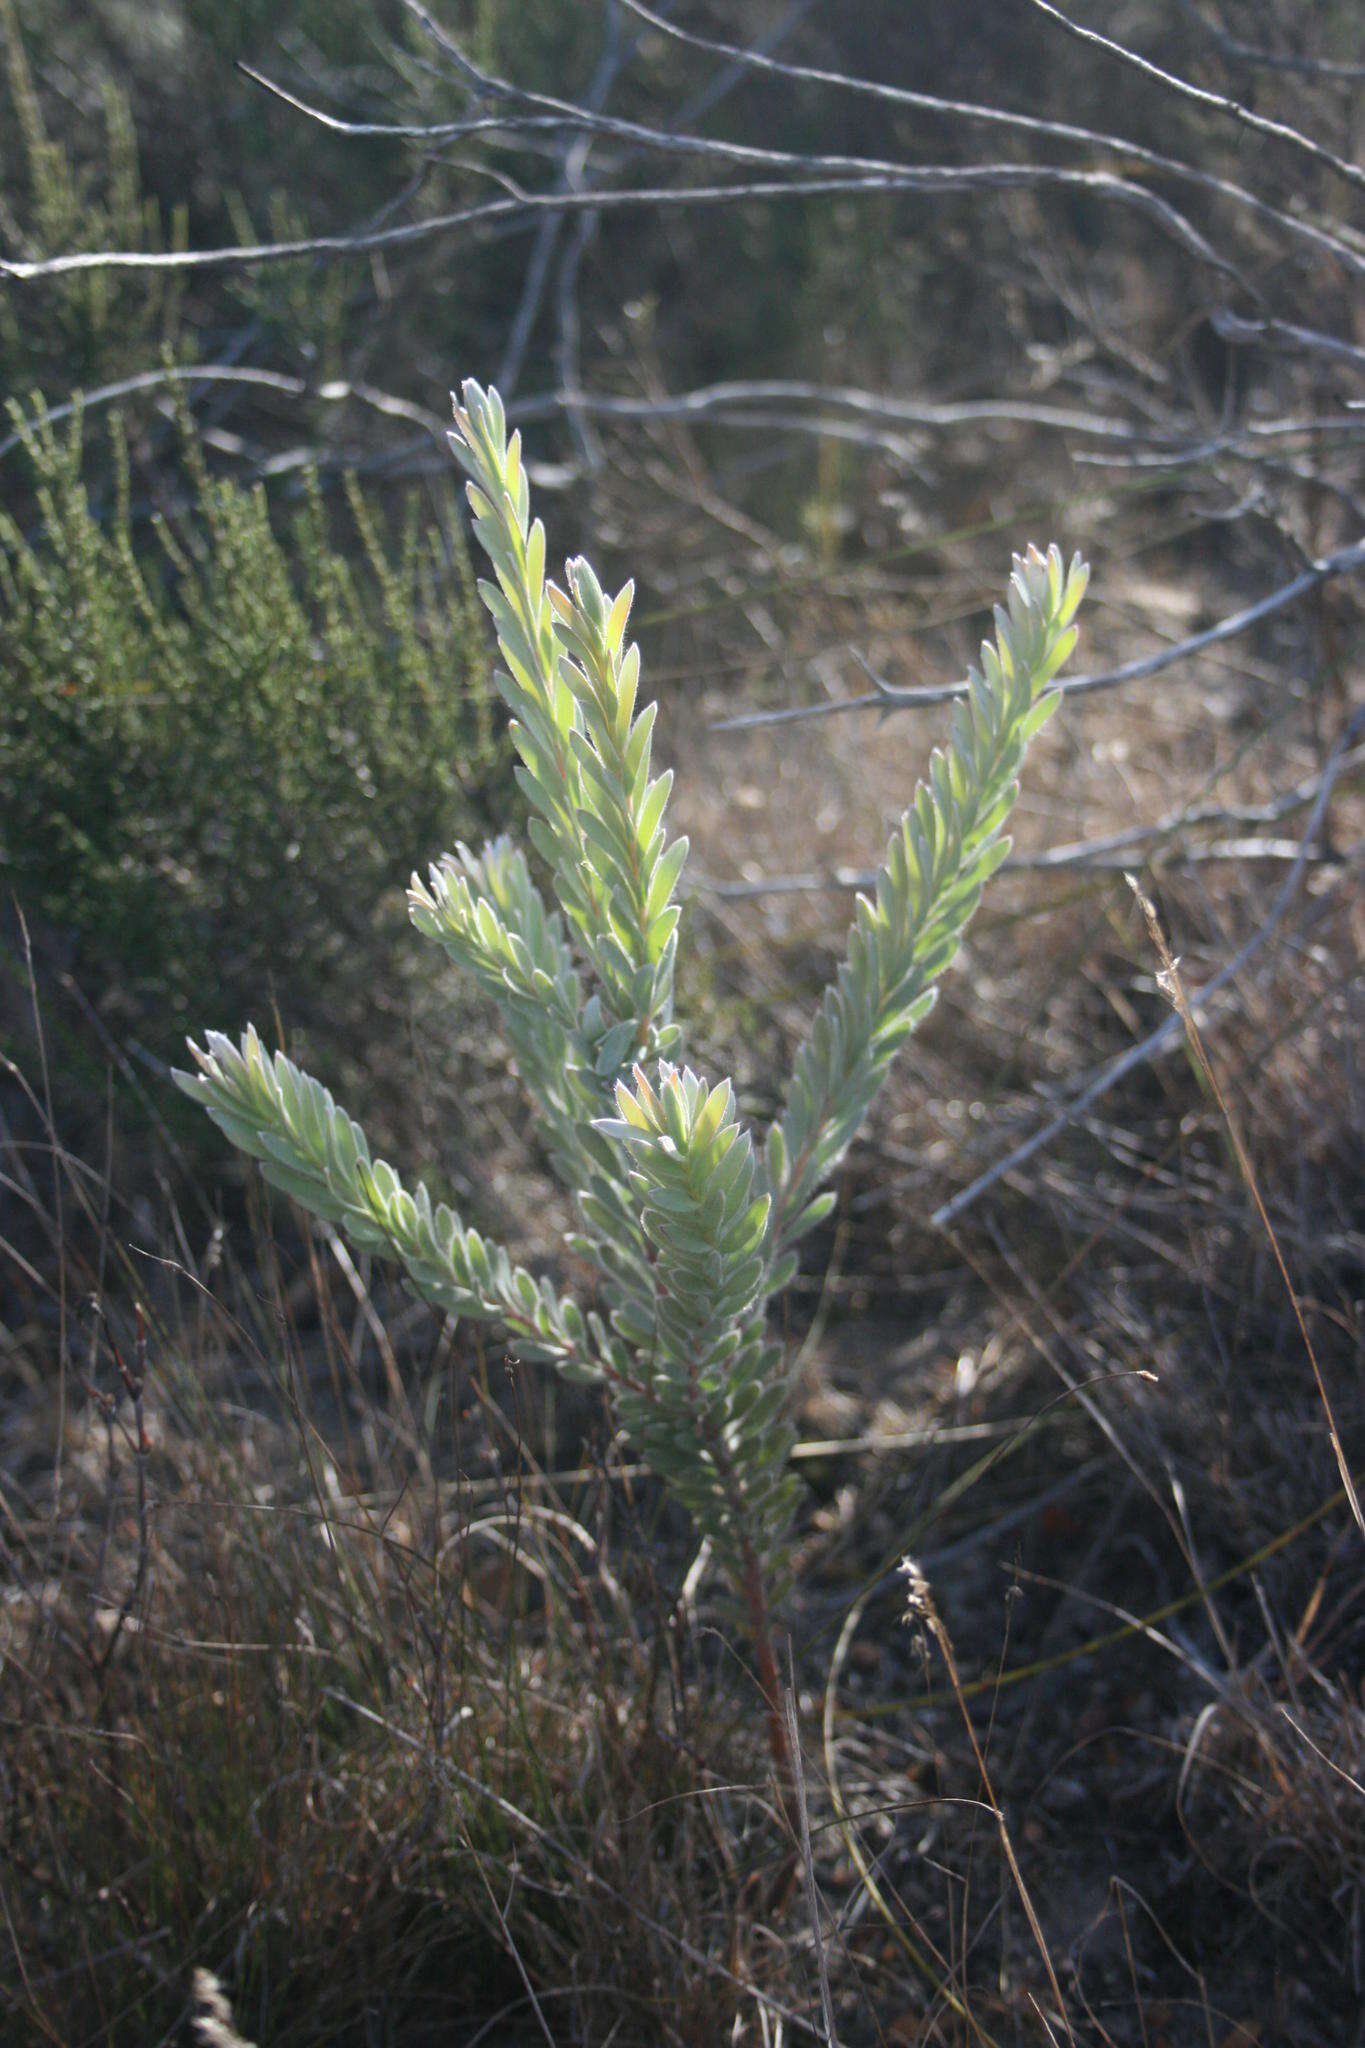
(311,1149)
(906,933)
(690,1232)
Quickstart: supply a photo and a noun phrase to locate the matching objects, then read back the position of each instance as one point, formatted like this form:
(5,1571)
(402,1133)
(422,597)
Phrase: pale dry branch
(1171,1029)
(999,117)
(892,178)
(332,391)
(891,697)
(1269,60)
(1112,852)
(1213,102)
(1285,335)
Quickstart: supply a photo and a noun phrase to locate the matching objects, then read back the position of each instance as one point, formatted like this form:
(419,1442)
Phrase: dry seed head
(213,2023)
(919,1604)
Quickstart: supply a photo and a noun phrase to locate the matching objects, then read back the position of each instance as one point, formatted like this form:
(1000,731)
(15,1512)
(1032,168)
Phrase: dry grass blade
(1132,1625)
(921,1607)
(807,1860)
(932,1969)
(1173,987)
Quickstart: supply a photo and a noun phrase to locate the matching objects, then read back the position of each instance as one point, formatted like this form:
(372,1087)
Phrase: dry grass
(315,1677)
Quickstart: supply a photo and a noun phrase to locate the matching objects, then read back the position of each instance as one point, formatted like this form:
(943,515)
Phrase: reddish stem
(760,1628)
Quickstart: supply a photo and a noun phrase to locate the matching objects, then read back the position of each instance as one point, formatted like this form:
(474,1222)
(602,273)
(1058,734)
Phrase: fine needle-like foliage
(690,1228)
(227,732)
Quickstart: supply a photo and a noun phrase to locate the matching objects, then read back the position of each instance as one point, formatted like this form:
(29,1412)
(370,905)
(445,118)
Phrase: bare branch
(1259,124)
(331,392)
(907,178)
(707,399)
(1232,327)
(1329,433)
(430,132)
(614,56)
(812,176)
(1111,853)
(724,402)
(1000,117)
(888,697)
(1269,60)
(1172,1028)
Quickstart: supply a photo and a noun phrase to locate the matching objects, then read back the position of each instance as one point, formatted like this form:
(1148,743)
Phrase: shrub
(691,1230)
(218,756)
(91,326)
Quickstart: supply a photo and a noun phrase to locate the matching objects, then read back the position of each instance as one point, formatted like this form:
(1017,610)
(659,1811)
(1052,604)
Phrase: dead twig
(1170,1030)
(996,117)
(1215,102)
(890,697)
(1268,60)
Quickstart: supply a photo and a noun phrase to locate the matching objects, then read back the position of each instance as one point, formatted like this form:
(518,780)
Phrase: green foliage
(300,310)
(94,325)
(690,1236)
(691,1302)
(946,847)
(217,760)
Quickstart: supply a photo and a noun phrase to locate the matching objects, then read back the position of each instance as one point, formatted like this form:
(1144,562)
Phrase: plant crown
(689,1226)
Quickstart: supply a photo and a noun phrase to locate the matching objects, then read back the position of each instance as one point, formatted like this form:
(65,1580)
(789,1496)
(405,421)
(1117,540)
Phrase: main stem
(754,1588)
(760,1629)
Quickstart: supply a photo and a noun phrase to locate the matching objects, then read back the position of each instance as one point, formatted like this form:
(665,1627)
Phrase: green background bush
(220,750)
